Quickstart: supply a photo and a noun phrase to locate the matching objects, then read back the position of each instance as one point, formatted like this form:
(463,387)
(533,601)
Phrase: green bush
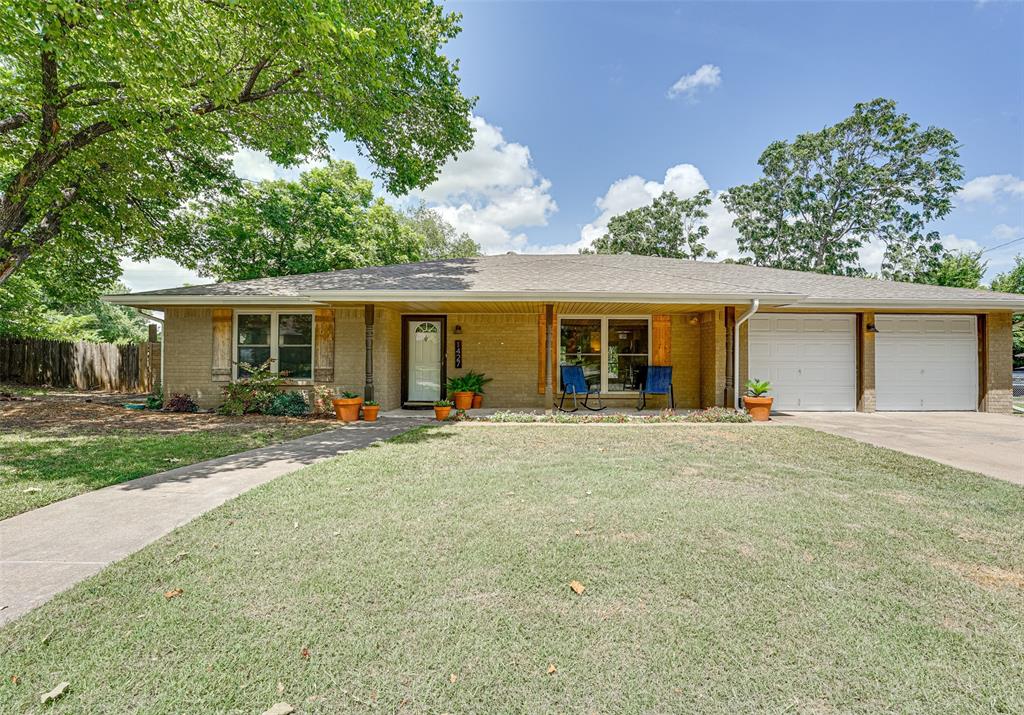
(288,404)
(156,400)
(180,402)
(253,394)
(718,414)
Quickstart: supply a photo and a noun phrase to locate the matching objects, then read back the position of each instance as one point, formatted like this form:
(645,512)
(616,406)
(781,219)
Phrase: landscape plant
(253,393)
(180,402)
(290,403)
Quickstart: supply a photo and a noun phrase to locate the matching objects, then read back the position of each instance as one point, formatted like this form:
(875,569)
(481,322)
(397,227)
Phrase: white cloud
(1006,232)
(989,188)
(709,76)
(634,191)
(253,165)
(491,190)
(157,274)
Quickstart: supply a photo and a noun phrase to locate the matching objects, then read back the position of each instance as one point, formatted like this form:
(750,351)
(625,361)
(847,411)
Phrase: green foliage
(443,403)
(180,402)
(438,237)
(718,415)
(288,404)
(29,309)
(758,388)
(461,383)
(155,401)
(875,175)
(955,269)
(1013,282)
(476,381)
(371,403)
(252,394)
(114,114)
(349,395)
(670,227)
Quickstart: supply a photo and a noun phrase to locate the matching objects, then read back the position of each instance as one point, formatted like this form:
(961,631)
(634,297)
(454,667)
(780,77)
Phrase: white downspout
(754,305)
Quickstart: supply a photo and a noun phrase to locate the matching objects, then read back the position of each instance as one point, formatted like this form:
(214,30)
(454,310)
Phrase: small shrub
(156,400)
(349,395)
(444,403)
(758,388)
(253,394)
(718,414)
(371,403)
(322,397)
(288,404)
(180,402)
(507,416)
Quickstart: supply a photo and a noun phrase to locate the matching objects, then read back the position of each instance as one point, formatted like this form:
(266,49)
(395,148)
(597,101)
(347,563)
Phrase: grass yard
(55,449)
(727,568)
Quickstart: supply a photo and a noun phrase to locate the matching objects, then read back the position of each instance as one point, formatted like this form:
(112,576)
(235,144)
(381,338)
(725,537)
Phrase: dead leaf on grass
(280,709)
(452,678)
(173,593)
(552,669)
(55,693)
(280,687)
(15,680)
(304,653)
(179,556)
(578,587)
(31,490)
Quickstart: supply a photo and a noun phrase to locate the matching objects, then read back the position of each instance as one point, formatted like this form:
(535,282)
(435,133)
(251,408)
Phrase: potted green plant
(346,407)
(442,408)
(461,390)
(757,401)
(370,410)
(477,380)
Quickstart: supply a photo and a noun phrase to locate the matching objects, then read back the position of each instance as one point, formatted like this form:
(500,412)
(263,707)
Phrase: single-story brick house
(396,333)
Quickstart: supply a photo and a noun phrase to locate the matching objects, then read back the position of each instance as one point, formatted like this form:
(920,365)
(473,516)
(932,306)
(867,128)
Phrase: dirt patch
(68,416)
(985,575)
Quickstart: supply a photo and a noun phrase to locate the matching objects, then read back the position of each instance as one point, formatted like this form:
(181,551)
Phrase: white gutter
(754,305)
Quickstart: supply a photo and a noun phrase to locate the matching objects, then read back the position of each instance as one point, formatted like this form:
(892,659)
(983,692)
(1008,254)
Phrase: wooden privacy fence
(82,366)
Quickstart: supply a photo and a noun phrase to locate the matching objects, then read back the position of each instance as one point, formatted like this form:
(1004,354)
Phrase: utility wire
(1003,245)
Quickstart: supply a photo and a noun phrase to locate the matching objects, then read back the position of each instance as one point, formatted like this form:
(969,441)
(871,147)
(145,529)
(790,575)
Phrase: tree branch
(48,227)
(50,125)
(15,121)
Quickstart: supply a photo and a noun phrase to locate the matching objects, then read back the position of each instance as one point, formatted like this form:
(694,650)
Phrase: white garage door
(926,362)
(811,360)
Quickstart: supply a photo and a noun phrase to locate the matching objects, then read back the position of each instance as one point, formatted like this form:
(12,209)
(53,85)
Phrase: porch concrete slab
(977,441)
(50,549)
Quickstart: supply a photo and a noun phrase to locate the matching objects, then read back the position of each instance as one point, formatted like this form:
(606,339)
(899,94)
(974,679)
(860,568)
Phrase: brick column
(368,313)
(865,363)
(995,362)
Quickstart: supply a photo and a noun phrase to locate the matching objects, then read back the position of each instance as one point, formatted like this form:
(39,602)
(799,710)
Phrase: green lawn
(732,568)
(41,466)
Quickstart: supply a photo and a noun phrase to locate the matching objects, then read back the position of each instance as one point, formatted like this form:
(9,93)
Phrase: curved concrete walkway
(50,549)
(977,441)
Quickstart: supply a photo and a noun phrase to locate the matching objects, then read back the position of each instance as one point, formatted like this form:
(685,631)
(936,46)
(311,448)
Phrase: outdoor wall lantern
(871,328)
(458,330)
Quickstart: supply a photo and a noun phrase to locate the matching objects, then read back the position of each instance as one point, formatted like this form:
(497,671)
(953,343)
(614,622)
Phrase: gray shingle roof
(592,274)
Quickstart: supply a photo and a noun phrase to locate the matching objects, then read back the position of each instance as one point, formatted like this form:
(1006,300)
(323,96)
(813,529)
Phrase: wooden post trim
(323,365)
(368,317)
(223,321)
(549,341)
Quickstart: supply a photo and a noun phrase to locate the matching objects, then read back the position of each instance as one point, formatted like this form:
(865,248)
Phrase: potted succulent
(370,410)
(477,380)
(442,408)
(757,401)
(461,390)
(346,407)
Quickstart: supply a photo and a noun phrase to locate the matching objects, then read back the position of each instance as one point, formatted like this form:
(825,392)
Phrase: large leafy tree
(1012,281)
(955,269)
(670,227)
(114,113)
(326,220)
(875,176)
(439,238)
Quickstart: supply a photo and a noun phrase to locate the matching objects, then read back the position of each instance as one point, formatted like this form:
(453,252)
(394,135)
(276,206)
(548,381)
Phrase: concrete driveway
(976,441)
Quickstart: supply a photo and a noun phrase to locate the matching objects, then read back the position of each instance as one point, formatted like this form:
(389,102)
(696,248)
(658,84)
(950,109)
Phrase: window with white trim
(284,338)
(613,351)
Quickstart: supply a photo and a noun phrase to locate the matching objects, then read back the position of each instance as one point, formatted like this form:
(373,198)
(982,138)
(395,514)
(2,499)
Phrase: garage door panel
(926,363)
(809,359)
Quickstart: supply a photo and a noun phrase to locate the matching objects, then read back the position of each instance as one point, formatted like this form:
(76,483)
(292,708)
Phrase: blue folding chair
(575,383)
(657,381)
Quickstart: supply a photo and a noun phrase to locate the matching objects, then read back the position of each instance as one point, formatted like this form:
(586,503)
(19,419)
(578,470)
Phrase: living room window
(284,338)
(613,351)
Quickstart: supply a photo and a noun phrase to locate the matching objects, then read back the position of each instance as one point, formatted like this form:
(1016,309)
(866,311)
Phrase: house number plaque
(458,353)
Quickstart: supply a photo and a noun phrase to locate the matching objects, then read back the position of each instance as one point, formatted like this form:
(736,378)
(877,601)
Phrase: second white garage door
(811,360)
(926,362)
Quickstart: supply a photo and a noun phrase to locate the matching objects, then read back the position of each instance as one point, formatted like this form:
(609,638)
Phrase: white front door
(810,359)
(424,377)
(926,362)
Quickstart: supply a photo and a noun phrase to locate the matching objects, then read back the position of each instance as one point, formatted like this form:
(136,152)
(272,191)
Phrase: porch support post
(368,312)
(549,341)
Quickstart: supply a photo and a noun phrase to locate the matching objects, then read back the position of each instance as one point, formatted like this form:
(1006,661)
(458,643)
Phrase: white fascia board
(156,301)
(1015,306)
(400,296)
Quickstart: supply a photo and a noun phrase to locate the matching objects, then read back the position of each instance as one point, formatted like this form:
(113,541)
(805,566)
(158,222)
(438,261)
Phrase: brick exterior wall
(865,363)
(997,380)
(188,355)
(686,364)
(712,358)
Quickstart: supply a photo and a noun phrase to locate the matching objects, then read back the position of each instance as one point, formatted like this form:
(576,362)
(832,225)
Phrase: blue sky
(577,119)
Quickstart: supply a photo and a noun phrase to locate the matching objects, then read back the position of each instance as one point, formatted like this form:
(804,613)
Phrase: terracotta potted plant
(370,410)
(442,408)
(346,407)
(461,390)
(477,380)
(757,401)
